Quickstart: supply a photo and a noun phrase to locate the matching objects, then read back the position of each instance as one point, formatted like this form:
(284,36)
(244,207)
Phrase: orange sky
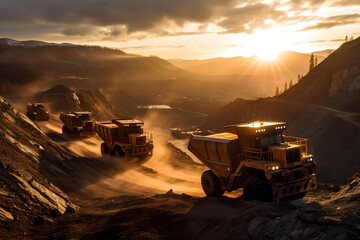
(191,29)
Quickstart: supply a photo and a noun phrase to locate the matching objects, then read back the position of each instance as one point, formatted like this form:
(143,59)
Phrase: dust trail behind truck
(257,157)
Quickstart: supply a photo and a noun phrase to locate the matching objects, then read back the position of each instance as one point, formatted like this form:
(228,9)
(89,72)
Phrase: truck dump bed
(66,118)
(217,151)
(107,130)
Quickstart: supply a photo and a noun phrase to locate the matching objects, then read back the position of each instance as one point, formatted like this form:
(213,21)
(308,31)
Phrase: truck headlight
(307,160)
(273,168)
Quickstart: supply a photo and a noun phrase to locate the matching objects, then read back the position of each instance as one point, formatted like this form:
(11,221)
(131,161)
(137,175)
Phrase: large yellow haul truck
(257,157)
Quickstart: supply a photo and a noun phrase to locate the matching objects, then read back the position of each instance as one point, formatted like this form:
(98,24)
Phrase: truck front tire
(104,149)
(211,184)
(65,130)
(257,187)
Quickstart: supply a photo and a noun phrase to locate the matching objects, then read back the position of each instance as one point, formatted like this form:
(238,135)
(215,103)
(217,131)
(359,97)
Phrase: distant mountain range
(29,43)
(126,79)
(274,73)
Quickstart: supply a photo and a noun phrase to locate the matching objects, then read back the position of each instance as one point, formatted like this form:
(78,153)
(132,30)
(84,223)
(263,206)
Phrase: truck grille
(141,140)
(293,155)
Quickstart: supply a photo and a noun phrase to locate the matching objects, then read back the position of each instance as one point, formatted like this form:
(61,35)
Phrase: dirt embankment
(28,198)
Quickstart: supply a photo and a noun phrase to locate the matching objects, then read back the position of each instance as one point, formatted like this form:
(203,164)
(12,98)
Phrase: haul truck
(78,124)
(124,137)
(257,157)
(37,112)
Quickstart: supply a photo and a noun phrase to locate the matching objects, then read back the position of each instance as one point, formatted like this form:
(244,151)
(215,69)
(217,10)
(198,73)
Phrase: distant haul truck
(78,124)
(125,137)
(257,157)
(37,112)
(178,133)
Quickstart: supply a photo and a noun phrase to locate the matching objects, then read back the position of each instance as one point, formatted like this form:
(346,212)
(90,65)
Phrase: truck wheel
(64,130)
(211,184)
(116,152)
(299,195)
(104,149)
(257,187)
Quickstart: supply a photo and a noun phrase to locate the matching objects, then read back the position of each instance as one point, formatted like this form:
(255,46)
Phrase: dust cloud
(166,170)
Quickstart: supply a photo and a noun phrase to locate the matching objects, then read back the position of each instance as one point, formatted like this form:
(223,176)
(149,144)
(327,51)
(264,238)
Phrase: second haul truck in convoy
(78,124)
(125,137)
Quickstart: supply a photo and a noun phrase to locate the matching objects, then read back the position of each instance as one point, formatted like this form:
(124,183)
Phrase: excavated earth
(49,192)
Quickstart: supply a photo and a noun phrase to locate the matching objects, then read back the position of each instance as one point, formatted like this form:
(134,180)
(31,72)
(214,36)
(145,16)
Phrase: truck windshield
(84,118)
(130,130)
(270,140)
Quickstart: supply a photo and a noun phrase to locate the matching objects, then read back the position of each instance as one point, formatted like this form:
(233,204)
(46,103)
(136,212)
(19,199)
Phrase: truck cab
(37,112)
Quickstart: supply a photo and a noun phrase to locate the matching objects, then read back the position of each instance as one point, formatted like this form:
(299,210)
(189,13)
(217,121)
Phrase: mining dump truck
(37,112)
(124,137)
(257,157)
(78,124)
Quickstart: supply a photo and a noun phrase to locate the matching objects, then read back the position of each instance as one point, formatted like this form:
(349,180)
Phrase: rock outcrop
(27,197)
(62,99)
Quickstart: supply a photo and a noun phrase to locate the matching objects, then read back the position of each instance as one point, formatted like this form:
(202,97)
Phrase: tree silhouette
(291,83)
(351,37)
(316,62)
(311,66)
(286,87)
(346,38)
(277,91)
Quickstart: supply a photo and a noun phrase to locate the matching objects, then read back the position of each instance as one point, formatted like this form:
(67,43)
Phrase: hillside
(62,99)
(323,106)
(28,198)
(45,65)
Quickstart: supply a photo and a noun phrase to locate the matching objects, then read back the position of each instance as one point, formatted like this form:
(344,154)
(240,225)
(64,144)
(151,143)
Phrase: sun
(267,44)
(268,54)
(269,48)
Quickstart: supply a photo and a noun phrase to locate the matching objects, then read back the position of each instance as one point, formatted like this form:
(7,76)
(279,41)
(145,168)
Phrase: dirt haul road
(167,169)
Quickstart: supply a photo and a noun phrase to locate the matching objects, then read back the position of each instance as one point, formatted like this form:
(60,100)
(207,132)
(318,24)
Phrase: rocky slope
(323,106)
(180,216)
(27,197)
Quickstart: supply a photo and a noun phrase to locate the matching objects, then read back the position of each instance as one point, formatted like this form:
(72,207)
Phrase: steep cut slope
(28,198)
(63,99)
(308,107)
(334,82)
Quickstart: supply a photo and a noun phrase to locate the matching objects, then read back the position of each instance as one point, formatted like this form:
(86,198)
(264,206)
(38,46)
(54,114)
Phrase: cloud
(137,15)
(249,17)
(343,3)
(125,19)
(78,30)
(333,21)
